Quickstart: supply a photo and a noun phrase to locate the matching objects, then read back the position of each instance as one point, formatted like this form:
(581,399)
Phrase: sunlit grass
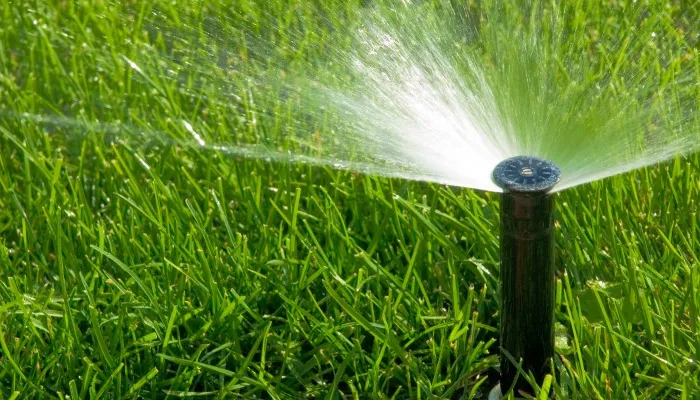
(136,265)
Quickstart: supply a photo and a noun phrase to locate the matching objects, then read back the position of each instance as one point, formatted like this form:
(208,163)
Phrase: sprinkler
(527,267)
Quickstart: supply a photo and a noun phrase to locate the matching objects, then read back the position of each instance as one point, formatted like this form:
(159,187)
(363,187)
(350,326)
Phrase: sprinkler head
(524,174)
(527,267)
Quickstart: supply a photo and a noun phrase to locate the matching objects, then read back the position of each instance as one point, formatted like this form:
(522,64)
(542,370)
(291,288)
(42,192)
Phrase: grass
(134,266)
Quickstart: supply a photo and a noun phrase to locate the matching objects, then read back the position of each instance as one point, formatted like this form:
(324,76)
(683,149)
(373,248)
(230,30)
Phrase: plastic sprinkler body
(527,267)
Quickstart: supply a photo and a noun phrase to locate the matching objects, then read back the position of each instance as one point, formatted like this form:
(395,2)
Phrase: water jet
(527,267)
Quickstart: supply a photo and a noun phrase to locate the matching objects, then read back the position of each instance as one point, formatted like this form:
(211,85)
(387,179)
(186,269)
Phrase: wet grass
(134,265)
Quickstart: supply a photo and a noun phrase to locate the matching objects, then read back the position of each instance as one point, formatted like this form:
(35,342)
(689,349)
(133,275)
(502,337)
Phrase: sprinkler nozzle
(524,174)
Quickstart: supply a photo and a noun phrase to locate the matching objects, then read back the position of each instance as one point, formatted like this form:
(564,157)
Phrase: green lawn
(136,264)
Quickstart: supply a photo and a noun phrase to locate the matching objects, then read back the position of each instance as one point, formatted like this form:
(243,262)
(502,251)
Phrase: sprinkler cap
(525,174)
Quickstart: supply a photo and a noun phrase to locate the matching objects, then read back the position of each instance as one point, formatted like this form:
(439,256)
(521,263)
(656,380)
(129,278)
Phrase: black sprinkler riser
(527,267)
(527,286)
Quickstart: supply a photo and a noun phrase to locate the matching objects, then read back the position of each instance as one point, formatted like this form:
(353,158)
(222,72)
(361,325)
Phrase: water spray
(527,267)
